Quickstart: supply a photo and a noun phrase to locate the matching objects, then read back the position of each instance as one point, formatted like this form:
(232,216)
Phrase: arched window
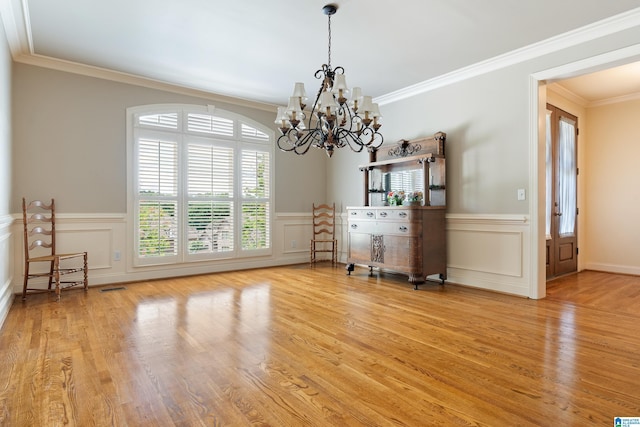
(200,184)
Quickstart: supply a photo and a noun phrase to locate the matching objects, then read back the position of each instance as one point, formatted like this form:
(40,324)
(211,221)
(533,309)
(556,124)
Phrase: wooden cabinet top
(402,160)
(395,207)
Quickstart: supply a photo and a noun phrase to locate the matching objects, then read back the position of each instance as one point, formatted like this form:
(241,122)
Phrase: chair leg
(311,253)
(57,277)
(86,275)
(26,280)
(51,270)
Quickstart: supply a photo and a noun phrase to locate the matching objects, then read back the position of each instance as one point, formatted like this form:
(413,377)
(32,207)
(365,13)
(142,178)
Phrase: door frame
(537,141)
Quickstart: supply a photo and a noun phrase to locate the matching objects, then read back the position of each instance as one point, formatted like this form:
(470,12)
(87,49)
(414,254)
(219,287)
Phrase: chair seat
(53,257)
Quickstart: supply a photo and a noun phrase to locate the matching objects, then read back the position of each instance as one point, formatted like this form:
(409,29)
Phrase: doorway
(561,211)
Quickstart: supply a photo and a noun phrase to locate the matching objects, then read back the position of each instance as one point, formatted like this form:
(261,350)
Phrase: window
(200,186)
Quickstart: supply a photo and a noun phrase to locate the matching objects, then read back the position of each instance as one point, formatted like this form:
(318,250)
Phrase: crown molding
(573,97)
(615,100)
(120,77)
(12,13)
(584,34)
(566,93)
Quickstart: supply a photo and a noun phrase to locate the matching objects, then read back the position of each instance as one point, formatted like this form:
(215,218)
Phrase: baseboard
(613,268)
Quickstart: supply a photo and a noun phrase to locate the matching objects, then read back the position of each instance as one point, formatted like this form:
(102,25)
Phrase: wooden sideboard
(406,239)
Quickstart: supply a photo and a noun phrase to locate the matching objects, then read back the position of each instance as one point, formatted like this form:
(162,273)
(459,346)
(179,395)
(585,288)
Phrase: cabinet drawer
(384,227)
(397,227)
(395,214)
(363,226)
(362,213)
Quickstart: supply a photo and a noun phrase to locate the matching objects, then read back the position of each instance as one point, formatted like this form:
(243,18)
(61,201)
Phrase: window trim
(238,141)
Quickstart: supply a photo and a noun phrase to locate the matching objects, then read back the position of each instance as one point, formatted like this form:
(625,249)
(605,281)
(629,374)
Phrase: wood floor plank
(304,345)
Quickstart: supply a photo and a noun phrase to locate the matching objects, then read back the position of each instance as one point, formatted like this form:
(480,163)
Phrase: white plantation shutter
(158,167)
(255,199)
(210,207)
(168,121)
(255,225)
(202,185)
(157,198)
(210,124)
(158,228)
(255,173)
(251,133)
(210,227)
(210,171)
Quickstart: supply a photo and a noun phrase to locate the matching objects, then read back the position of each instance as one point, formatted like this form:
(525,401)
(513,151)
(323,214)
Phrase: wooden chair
(39,221)
(324,232)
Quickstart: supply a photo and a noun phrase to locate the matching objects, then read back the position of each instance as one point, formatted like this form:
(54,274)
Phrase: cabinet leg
(370,270)
(416,279)
(443,277)
(350,268)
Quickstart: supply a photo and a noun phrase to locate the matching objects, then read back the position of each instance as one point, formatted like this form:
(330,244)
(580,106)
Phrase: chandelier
(336,120)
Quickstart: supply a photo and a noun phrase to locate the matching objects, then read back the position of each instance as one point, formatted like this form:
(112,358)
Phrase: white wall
(6,249)
(612,177)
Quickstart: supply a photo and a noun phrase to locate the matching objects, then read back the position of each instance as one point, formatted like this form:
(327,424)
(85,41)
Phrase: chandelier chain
(329,55)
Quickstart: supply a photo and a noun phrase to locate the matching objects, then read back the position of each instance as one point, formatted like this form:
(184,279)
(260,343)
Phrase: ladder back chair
(324,232)
(39,219)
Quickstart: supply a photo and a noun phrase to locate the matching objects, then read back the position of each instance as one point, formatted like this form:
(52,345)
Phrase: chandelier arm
(350,117)
(303,147)
(286,141)
(346,137)
(292,141)
(315,138)
(371,138)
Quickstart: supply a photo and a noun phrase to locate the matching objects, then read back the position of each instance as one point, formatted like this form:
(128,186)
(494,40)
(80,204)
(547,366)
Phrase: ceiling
(606,86)
(256,50)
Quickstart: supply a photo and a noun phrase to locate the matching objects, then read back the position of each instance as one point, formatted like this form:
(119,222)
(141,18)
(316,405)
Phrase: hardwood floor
(293,346)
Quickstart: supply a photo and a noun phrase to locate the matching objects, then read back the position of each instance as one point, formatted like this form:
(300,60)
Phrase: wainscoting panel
(296,233)
(6,266)
(98,242)
(104,237)
(489,252)
(485,251)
